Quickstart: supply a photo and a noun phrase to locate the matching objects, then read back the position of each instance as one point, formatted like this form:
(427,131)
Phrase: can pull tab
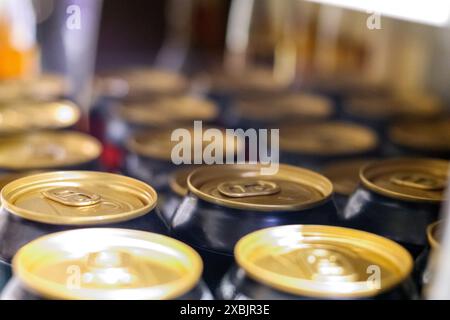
(244,188)
(418,181)
(72,196)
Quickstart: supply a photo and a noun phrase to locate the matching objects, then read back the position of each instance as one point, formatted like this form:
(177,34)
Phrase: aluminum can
(344,175)
(263,112)
(40,204)
(106,264)
(313,262)
(46,150)
(314,145)
(398,198)
(420,138)
(226,202)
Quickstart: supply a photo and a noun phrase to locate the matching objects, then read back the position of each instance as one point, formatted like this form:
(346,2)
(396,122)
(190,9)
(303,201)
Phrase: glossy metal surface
(109,264)
(48,150)
(319,262)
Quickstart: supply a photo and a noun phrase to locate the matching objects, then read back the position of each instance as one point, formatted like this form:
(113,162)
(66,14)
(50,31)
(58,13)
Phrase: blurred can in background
(178,189)
(149,152)
(5,267)
(224,87)
(344,175)
(398,199)
(158,113)
(421,138)
(24,116)
(313,145)
(106,264)
(299,262)
(40,88)
(379,112)
(423,266)
(43,150)
(226,202)
(56,201)
(130,85)
(263,112)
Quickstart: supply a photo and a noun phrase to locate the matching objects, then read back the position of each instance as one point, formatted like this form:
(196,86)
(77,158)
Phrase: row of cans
(213,207)
(315,127)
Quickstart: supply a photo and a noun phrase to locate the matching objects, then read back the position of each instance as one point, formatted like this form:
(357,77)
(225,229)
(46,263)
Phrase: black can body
(5,273)
(16,231)
(168,202)
(213,227)
(214,230)
(237,285)
(15,290)
(402,221)
(150,170)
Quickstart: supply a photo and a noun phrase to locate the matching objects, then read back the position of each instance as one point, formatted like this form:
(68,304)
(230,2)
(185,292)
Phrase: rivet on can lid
(78,198)
(323,261)
(106,264)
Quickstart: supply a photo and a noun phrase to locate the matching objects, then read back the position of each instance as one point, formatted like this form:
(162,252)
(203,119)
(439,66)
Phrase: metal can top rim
(152,81)
(331,138)
(144,256)
(78,198)
(319,188)
(432,234)
(58,149)
(424,135)
(178,181)
(158,144)
(396,178)
(168,110)
(298,105)
(365,248)
(344,174)
(29,115)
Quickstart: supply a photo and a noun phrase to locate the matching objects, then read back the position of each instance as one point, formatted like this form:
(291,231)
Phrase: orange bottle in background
(15,62)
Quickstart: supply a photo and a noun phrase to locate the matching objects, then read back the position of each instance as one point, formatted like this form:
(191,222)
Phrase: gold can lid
(157,143)
(434,234)
(244,187)
(25,116)
(323,261)
(153,81)
(107,264)
(251,81)
(178,180)
(45,86)
(298,106)
(345,174)
(423,135)
(78,198)
(327,138)
(41,150)
(168,111)
(411,179)
(388,107)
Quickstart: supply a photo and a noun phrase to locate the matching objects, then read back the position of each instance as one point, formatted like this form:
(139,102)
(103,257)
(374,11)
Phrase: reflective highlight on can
(318,262)
(44,203)
(99,264)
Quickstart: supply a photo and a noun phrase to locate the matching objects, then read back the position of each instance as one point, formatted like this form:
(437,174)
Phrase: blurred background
(112,67)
